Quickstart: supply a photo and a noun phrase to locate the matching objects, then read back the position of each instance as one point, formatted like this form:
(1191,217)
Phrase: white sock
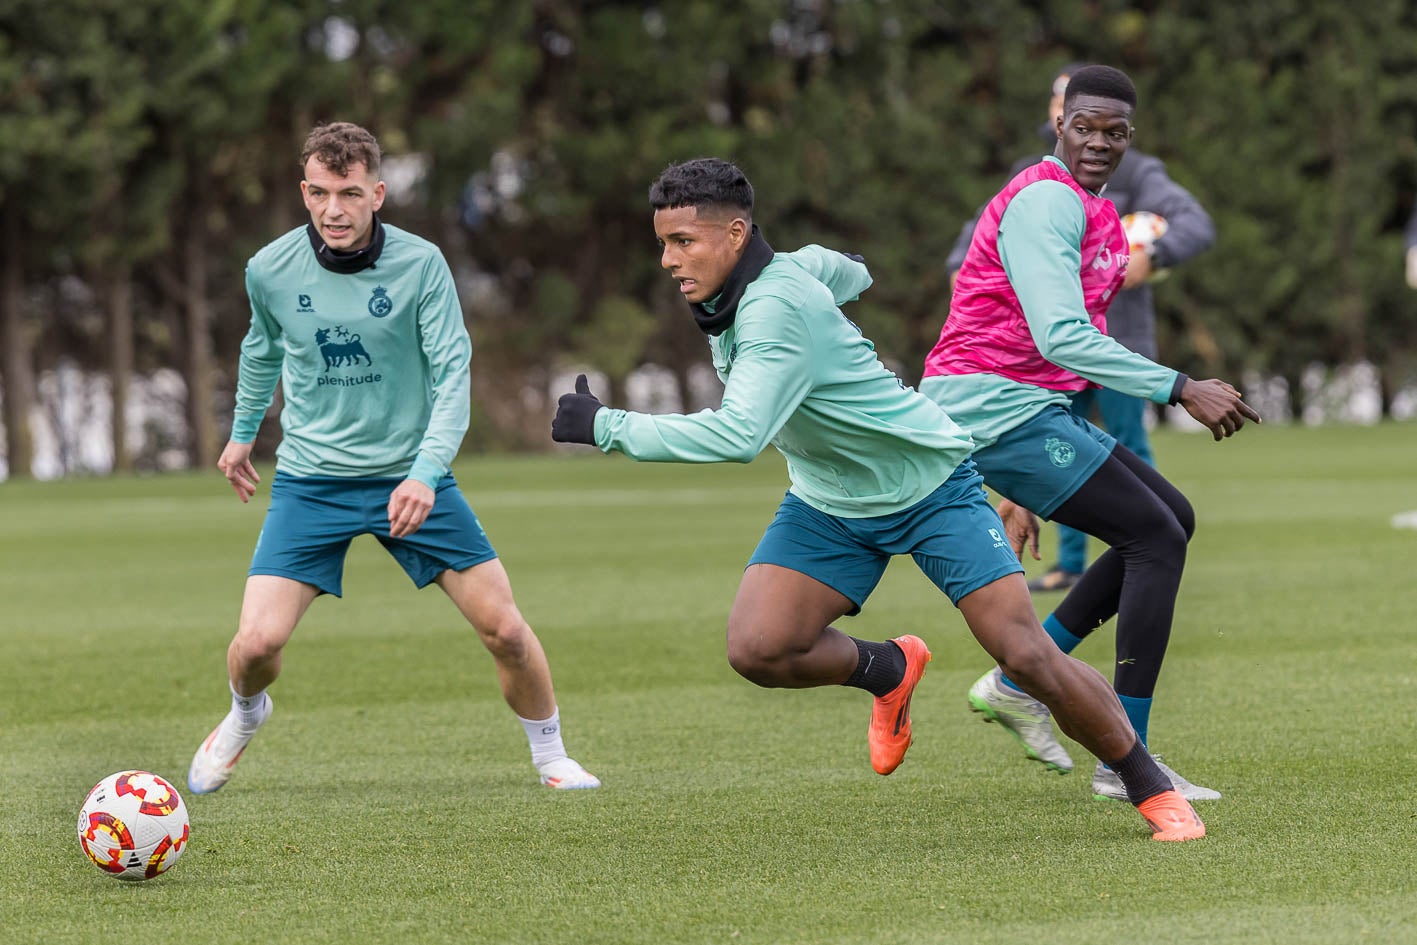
(545,738)
(250,711)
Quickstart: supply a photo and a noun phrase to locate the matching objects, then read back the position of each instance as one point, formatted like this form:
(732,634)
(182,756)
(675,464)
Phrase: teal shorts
(953,534)
(1041,462)
(312,520)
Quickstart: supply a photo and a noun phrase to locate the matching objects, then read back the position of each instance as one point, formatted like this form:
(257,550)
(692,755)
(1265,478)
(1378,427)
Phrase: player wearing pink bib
(1026,330)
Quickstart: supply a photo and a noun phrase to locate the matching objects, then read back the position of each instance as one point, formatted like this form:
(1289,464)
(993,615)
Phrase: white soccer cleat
(218,754)
(1107,786)
(1023,717)
(566,774)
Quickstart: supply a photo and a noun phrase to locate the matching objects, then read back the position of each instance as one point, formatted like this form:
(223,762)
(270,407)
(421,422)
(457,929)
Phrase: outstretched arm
(769,377)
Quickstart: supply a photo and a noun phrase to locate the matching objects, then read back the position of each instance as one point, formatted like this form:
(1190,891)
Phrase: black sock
(881,667)
(1143,779)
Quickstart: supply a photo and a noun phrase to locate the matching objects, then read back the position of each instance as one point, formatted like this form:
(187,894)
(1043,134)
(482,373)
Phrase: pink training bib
(986,331)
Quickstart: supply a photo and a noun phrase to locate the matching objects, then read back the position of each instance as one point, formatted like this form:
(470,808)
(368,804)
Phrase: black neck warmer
(347,263)
(756,256)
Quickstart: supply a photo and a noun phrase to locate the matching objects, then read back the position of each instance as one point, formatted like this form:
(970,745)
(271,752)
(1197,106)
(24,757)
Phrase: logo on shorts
(998,539)
(379,303)
(1060,452)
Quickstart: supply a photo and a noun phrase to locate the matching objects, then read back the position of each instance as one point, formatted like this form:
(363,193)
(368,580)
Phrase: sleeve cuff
(245,426)
(600,428)
(427,471)
(1175,397)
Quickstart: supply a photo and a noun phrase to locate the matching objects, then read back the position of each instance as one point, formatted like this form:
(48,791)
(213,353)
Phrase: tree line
(151,147)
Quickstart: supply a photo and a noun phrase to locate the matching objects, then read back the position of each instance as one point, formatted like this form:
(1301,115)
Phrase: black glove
(575,415)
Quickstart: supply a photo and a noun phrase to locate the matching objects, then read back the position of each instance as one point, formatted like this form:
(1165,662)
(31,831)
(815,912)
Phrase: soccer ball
(133,825)
(1144,228)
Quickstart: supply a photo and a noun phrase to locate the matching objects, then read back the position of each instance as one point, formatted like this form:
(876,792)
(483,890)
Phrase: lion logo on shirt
(342,353)
(1060,452)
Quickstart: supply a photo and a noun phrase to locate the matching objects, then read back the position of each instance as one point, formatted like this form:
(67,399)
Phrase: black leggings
(1147,522)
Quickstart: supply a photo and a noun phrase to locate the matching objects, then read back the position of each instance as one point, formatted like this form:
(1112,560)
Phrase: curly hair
(340,144)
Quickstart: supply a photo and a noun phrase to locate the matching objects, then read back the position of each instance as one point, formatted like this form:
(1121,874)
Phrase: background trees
(150,148)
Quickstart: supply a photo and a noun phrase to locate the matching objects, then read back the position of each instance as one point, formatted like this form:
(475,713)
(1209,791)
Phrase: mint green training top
(1040,235)
(798,374)
(374,363)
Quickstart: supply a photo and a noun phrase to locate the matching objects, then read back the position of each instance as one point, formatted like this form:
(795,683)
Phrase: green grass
(391,799)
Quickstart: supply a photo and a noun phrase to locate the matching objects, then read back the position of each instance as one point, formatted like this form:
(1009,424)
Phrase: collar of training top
(756,256)
(347,263)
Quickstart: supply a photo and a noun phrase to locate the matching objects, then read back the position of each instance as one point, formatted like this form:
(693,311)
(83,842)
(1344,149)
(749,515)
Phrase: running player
(876,470)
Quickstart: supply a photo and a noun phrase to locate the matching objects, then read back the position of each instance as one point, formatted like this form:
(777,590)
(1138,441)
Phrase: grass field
(391,799)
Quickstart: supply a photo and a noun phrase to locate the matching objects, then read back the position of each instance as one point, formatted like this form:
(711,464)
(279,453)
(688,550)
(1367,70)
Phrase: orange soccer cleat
(890,716)
(1171,817)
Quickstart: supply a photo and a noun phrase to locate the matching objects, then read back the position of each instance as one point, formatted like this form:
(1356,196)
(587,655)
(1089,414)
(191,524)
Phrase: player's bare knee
(507,636)
(256,643)
(1032,665)
(753,660)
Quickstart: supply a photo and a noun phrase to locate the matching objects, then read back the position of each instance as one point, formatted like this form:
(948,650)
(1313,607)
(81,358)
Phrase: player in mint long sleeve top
(1026,330)
(876,471)
(360,323)
(374,363)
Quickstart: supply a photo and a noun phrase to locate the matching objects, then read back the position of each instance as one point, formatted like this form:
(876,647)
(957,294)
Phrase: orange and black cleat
(890,716)
(1171,817)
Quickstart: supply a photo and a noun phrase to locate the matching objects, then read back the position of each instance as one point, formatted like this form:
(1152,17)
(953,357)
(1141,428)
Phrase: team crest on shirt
(379,303)
(1060,452)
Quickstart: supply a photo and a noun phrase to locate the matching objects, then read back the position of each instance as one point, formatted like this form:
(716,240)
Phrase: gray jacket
(1139,183)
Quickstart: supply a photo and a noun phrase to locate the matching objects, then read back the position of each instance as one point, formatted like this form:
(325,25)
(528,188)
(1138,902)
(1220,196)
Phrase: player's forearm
(709,436)
(256,380)
(447,425)
(1081,348)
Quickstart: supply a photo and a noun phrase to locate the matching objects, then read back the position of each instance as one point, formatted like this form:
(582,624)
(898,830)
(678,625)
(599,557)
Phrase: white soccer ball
(133,825)
(1143,228)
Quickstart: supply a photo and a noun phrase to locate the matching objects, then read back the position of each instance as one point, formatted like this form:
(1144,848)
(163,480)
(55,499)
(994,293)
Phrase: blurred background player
(876,471)
(1140,184)
(361,322)
(1023,334)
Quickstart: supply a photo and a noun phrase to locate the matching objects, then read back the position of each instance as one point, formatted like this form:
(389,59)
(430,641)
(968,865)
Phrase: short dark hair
(702,182)
(1103,82)
(339,144)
